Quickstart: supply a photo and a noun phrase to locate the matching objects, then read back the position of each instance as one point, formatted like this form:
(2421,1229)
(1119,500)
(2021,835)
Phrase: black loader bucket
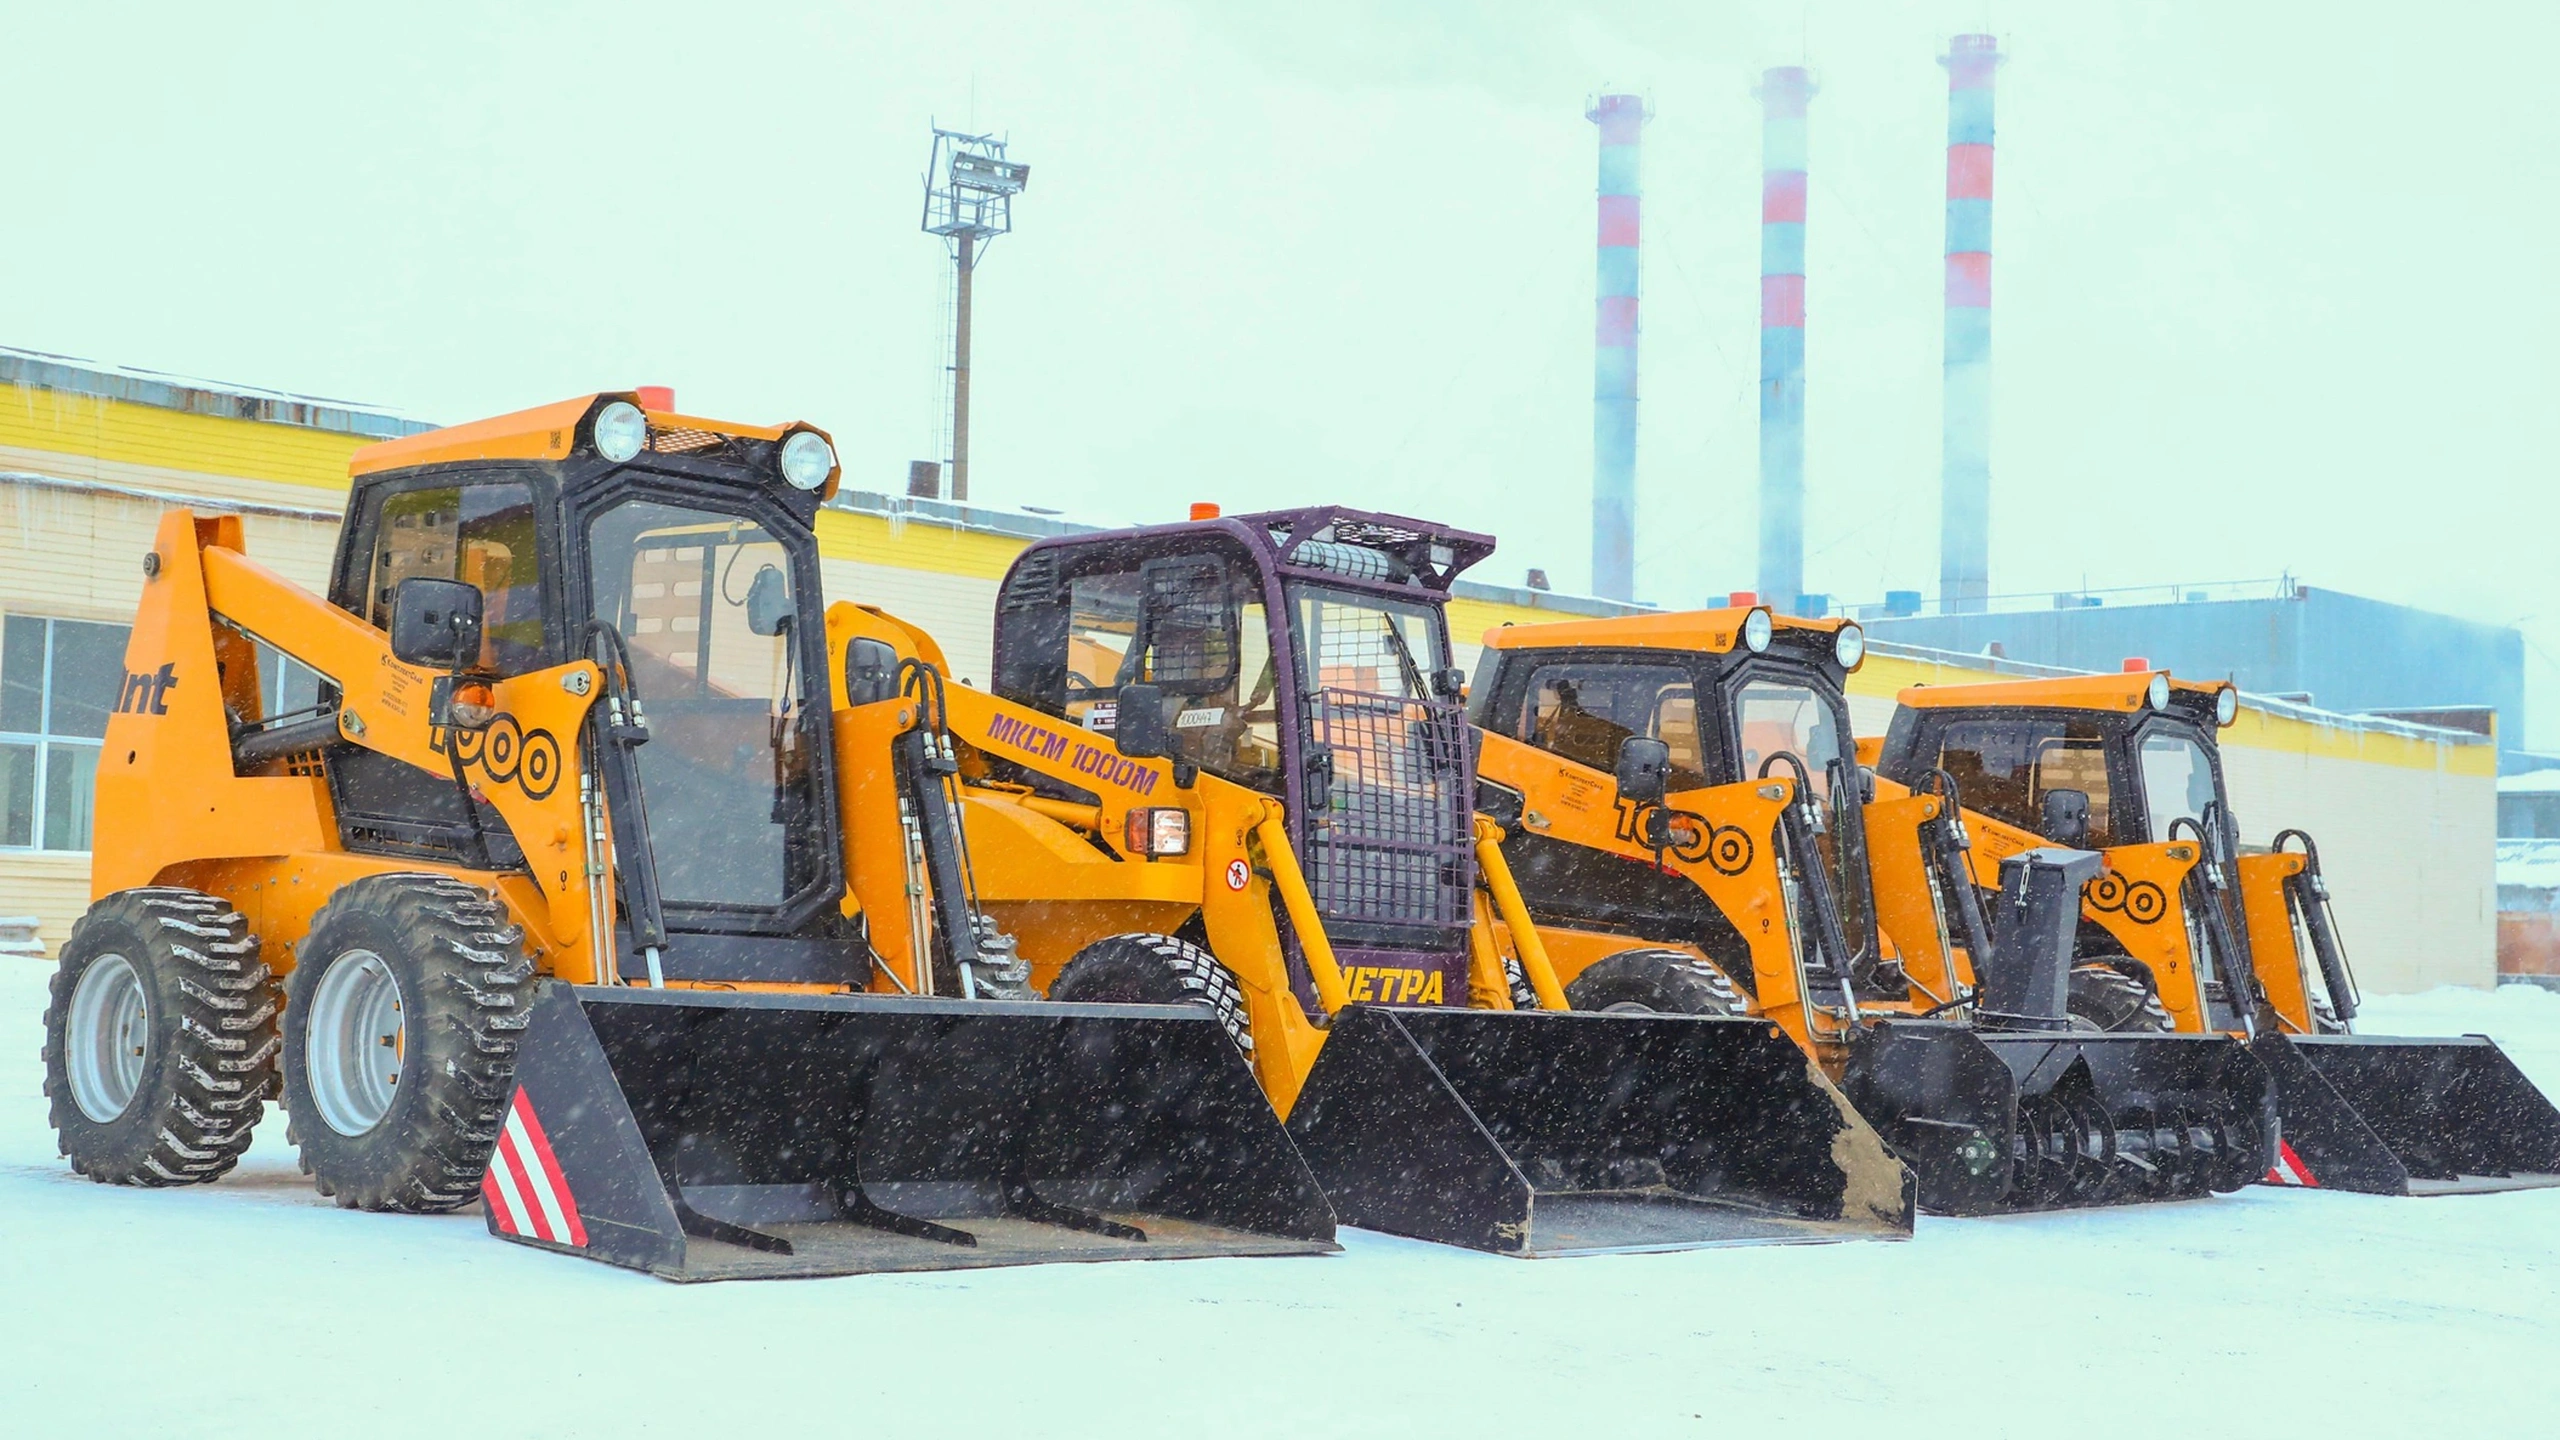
(2392,1116)
(1536,1133)
(708,1135)
(1998,1121)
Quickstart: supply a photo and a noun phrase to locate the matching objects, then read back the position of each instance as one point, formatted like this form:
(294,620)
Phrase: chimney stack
(1964,527)
(1613,408)
(1783,96)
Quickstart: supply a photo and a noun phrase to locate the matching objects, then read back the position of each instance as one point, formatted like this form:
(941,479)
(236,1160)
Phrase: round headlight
(620,431)
(2158,693)
(1756,629)
(807,460)
(2226,705)
(1849,646)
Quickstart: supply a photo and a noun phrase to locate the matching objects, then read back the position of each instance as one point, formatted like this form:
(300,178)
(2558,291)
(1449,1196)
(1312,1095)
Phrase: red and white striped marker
(2289,1169)
(524,1189)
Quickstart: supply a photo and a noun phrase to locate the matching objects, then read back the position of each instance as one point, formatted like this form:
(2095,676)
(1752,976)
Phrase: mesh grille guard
(1391,845)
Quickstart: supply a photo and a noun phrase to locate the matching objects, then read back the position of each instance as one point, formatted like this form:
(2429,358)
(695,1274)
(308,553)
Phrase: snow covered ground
(252,1307)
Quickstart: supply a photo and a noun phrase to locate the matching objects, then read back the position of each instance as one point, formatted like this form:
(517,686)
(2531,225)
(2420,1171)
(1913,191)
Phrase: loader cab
(684,555)
(2091,772)
(1302,655)
(1728,713)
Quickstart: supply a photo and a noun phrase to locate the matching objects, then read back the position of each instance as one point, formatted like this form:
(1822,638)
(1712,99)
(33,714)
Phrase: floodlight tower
(969,187)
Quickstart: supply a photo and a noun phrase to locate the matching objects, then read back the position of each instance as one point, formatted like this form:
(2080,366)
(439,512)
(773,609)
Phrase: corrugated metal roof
(36,370)
(2293,710)
(1022,524)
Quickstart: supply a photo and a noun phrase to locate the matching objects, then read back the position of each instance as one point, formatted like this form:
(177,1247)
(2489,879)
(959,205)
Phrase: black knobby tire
(2105,998)
(1146,969)
(209,1054)
(465,991)
(1666,982)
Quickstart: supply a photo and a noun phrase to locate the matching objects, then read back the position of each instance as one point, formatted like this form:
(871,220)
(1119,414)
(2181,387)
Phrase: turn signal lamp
(1158,830)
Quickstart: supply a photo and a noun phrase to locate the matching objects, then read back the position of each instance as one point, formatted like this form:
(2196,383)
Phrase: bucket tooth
(1538,1133)
(2409,1116)
(704,1135)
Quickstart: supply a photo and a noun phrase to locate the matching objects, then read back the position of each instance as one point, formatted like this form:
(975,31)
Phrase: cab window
(1583,712)
(2177,780)
(482,534)
(2005,769)
(1200,634)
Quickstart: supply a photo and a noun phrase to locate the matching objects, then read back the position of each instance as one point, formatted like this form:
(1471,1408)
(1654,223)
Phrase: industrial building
(90,457)
(2340,652)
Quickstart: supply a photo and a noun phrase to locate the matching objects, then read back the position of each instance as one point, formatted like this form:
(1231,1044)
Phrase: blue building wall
(2347,652)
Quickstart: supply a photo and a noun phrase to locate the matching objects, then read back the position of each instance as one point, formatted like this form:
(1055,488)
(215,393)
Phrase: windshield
(705,601)
(1771,716)
(2177,780)
(1368,644)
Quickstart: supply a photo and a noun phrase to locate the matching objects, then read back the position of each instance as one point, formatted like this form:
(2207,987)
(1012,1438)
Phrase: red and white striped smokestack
(1784,93)
(1613,396)
(1964,526)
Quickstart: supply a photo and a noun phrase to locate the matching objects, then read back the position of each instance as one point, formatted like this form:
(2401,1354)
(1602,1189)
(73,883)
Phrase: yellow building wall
(2405,821)
(84,435)
(77,555)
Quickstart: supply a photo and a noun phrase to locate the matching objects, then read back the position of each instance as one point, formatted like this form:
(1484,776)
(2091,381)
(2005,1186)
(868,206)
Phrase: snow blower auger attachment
(1767,875)
(1227,763)
(711,1136)
(556,861)
(2182,931)
(2092,1118)
(2087,1119)
(1530,1133)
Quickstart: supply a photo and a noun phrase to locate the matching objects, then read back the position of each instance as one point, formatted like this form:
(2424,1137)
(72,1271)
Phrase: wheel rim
(108,1039)
(1629,1007)
(354,1042)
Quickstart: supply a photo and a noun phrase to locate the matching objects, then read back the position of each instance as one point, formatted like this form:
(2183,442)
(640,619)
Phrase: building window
(58,682)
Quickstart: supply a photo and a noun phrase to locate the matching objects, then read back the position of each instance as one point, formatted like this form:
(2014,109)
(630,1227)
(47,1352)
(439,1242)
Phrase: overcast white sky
(2274,288)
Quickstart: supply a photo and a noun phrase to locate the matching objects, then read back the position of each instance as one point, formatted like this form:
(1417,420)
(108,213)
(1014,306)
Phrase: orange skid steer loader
(2183,931)
(1680,799)
(1225,763)
(553,886)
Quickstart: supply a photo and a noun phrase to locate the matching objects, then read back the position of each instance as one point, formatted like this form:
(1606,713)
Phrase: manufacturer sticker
(505,753)
(1394,985)
(1209,719)
(2140,901)
(147,692)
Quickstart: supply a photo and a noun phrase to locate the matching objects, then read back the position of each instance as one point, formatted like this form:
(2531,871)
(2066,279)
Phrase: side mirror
(435,624)
(1644,770)
(2065,818)
(1139,729)
(870,672)
(1449,684)
(769,602)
